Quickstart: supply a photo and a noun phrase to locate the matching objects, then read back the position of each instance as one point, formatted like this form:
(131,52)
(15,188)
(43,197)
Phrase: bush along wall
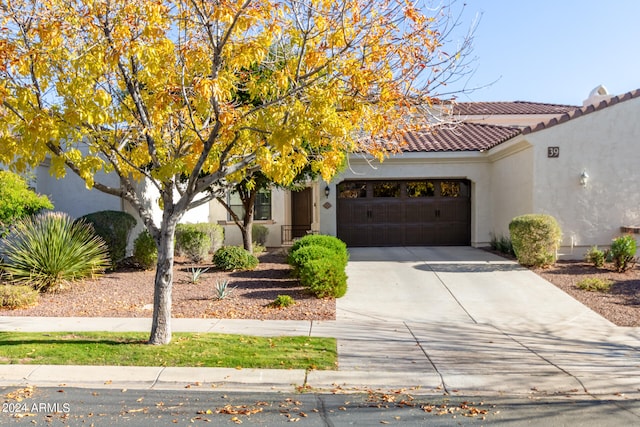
(192,242)
(320,262)
(145,251)
(114,227)
(535,239)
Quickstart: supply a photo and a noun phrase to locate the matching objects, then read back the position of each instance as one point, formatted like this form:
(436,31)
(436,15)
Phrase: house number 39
(553,151)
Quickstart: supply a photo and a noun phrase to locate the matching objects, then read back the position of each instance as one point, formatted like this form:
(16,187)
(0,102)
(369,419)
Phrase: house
(459,184)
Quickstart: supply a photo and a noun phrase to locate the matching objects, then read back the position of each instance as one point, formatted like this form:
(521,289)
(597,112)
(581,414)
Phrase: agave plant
(50,251)
(196,273)
(223,290)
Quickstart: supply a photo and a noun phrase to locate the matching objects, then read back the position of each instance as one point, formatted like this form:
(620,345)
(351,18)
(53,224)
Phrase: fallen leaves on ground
(20,394)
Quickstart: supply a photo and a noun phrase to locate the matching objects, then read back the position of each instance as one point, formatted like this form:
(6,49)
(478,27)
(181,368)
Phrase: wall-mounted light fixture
(327,191)
(584,178)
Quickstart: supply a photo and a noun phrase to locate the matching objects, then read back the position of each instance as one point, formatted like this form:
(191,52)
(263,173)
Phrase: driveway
(459,318)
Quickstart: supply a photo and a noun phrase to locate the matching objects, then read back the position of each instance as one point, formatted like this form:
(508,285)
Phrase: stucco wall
(604,144)
(511,185)
(70,194)
(472,166)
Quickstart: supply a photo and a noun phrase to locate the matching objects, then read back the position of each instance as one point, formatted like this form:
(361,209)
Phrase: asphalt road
(112,407)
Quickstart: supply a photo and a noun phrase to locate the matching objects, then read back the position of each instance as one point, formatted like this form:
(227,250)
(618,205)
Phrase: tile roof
(508,108)
(468,136)
(458,137)
(581,111)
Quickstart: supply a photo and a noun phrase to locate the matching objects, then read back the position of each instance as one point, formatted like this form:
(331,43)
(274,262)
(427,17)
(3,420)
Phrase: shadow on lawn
(6,339)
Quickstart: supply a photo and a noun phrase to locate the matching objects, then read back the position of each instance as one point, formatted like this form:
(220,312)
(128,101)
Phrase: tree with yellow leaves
(190,95)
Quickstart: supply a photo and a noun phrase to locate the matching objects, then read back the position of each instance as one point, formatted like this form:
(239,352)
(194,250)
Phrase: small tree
(247,191)
(17,200)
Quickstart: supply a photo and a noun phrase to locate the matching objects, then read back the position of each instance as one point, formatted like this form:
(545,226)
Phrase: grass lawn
(186,349)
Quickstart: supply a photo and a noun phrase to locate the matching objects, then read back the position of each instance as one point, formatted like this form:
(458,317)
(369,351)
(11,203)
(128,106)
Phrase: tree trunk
(247,238)
(248,201)
(161,326)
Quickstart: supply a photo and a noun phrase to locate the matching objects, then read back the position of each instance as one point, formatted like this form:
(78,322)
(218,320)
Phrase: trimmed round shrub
(324,277)
(114,227)
(50,251)
(330,242)
(214,231)
(231,258)
(192,243)
(535,239)
(305,254)
(145,251)
(17,296)
(259,234)
(623,252)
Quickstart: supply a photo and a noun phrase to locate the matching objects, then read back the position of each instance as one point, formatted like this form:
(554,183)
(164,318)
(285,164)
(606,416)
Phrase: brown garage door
(421,212)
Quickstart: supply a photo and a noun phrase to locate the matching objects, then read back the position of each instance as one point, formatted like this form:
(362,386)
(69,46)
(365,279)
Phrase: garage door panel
(418,234)
(454,210)
(420,211)
(387,235)
(356,235)
(386,212)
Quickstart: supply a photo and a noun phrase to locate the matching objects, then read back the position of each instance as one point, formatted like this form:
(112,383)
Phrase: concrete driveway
(459,318)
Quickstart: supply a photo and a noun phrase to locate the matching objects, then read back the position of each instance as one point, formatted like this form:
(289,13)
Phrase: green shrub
(304,254)
(502,244)
(282,301)
(623,251)
(535,239)
(258,249)
(49,251)
(17,296)
(17,200)
(595,284)
(192,243)
(214,231)
(114,227)
(330,242)
(324,277)
(145,251)
(234,258)
(595,256)
(259,234)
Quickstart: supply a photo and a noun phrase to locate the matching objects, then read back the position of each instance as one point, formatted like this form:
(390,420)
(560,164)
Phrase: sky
(553,51)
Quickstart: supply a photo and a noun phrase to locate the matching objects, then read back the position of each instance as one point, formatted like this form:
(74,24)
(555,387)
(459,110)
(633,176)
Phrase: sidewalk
(453,320)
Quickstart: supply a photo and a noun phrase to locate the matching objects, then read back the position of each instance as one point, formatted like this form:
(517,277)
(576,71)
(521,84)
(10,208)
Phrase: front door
(301,212)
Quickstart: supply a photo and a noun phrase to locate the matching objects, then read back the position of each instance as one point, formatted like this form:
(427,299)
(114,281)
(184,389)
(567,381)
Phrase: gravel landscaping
(129,293)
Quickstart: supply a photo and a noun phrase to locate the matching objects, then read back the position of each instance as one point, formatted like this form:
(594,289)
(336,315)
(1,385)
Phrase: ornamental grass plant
(50,251)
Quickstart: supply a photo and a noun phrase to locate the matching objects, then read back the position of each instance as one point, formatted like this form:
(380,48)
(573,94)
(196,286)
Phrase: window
(420,189)
(386,189)
(454,189)
(261,207)
(352,190)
